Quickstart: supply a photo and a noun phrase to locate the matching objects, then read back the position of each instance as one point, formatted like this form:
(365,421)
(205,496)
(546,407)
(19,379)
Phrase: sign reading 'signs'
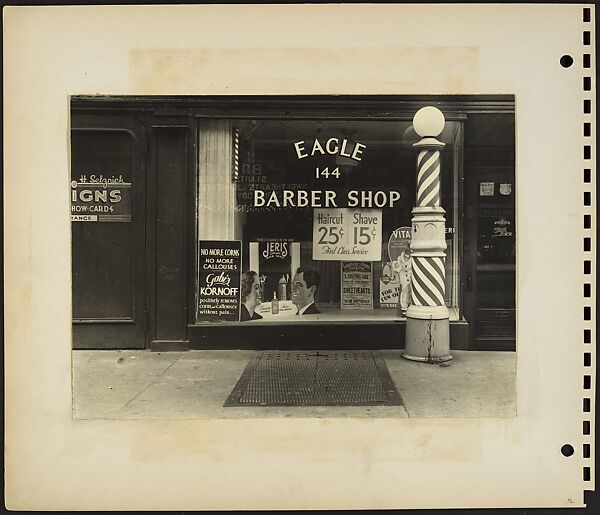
(219,274)
(96,198)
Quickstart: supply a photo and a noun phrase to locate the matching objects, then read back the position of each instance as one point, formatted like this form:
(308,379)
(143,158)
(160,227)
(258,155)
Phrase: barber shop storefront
(291,222)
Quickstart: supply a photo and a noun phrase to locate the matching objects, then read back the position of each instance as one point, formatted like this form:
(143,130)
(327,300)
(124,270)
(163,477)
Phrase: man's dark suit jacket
(311,310)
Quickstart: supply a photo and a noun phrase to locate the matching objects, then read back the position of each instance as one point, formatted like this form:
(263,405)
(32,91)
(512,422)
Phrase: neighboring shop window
(331,198)
(496,249)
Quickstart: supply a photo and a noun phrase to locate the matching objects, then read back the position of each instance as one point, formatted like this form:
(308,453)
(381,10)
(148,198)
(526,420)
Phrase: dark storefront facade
(167,193)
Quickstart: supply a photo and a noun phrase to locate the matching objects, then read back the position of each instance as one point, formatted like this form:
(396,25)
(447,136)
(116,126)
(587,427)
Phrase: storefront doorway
(490,231)
(108,214)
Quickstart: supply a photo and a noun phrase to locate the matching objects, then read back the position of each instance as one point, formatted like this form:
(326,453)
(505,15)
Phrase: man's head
(304,287)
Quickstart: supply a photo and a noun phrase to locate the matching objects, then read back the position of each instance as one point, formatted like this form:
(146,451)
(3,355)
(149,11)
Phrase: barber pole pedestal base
(427,335)
(427,319)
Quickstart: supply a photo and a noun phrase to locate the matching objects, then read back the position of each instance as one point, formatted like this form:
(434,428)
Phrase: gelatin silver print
(248,256)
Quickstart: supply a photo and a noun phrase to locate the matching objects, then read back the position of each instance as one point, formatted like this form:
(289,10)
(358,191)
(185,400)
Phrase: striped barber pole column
(428,281)
(428,178)
(235,155)
(428,273)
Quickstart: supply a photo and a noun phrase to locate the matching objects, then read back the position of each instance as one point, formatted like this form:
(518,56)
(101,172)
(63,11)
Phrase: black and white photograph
(323,256)
(299,256)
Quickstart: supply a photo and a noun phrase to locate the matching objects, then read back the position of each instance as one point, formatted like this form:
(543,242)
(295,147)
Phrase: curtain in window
(216,188)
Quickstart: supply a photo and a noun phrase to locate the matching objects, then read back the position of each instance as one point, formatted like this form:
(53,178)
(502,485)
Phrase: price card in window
(347,234)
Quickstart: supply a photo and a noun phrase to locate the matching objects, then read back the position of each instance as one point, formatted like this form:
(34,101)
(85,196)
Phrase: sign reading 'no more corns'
(219,264)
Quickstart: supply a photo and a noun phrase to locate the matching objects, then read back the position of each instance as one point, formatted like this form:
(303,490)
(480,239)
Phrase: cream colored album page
(174,115)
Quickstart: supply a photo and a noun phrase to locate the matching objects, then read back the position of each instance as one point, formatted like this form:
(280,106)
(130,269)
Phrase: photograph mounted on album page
(245,249)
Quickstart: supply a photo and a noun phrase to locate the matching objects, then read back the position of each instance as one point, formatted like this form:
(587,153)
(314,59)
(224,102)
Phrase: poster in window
(219,265)
(347,234)
(389,283)
(357,285)
(275,261)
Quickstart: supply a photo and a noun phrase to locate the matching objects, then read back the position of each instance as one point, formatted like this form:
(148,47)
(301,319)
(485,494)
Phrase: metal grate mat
(315,378)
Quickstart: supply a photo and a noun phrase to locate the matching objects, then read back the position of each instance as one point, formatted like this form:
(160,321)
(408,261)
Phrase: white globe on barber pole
(429,122)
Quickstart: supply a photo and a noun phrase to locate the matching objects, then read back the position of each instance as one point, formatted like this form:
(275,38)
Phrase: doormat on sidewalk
(315,378)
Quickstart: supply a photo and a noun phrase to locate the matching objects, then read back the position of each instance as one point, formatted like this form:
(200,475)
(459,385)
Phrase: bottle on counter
(288,286)
(275,304)
(282,288)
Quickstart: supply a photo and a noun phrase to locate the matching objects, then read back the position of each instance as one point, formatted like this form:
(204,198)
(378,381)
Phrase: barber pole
(428,178)
(427,319)
(428,286)
(428,281)
(235,155)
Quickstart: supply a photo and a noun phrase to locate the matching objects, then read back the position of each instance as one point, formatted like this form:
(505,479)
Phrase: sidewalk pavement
(195,384)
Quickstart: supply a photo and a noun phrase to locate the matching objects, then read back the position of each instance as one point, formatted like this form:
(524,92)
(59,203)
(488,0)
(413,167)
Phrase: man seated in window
(304,288)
